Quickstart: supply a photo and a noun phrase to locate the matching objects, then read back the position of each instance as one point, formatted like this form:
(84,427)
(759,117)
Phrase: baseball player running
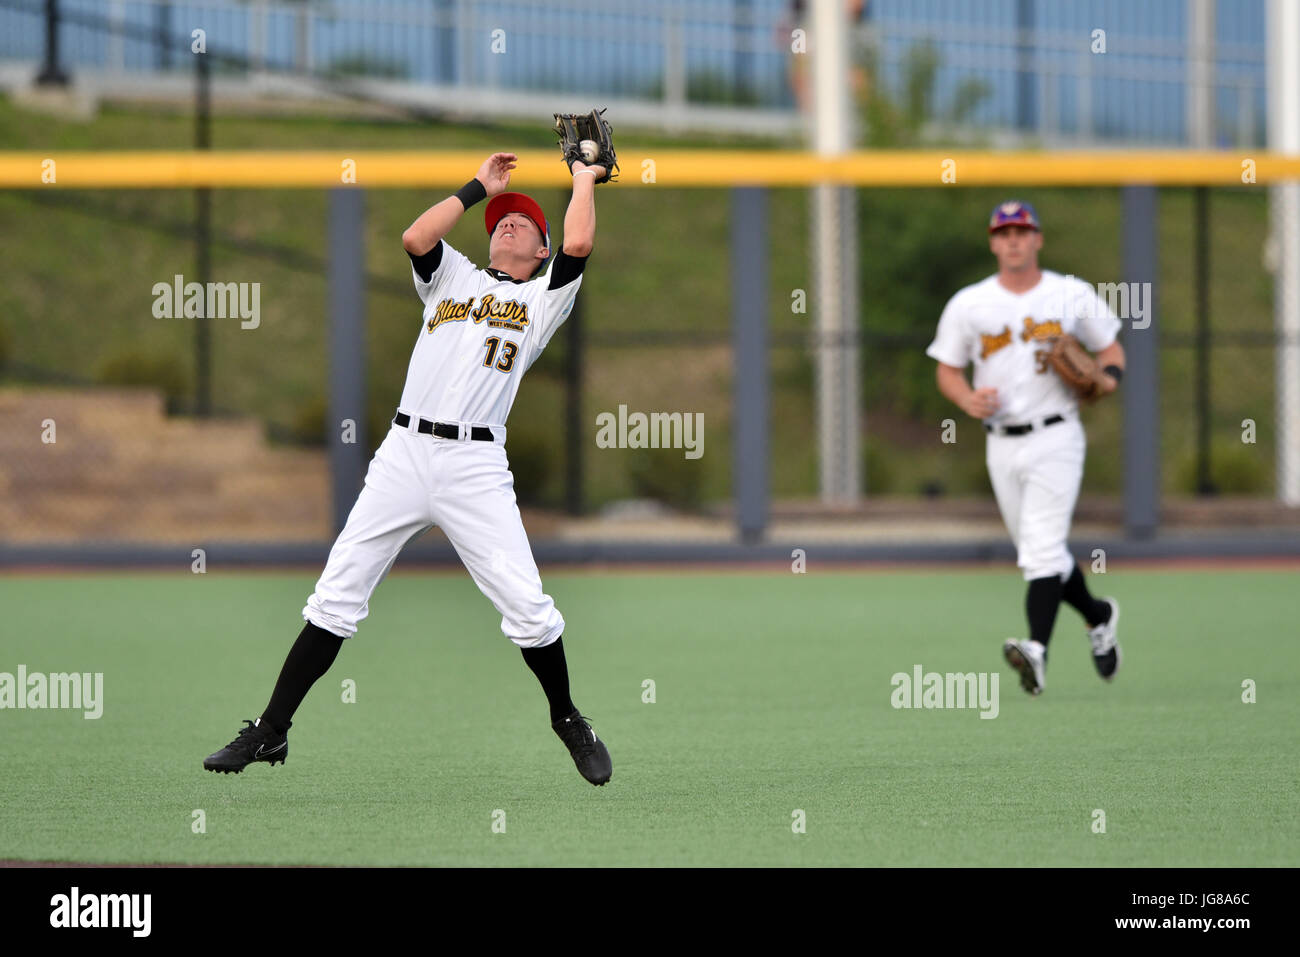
(443,461)
(1035,443)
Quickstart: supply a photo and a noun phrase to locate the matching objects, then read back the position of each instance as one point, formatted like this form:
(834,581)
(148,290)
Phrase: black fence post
(742,59)
(1026,100)
(203,238)
(749,426)
(1141,391)
(347,348)
(446,32)
(51,74)
(573,431)
(163,27)
(1201,270)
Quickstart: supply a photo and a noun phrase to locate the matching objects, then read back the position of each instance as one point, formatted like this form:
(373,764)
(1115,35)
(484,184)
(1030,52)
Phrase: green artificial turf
(772,695)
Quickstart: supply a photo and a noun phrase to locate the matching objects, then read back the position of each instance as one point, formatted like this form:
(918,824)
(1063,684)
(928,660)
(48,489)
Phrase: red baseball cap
(1013,213)
(503,203)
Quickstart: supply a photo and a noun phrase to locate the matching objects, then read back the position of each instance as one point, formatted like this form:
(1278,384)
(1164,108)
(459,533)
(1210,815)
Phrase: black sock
(1041,603)
(309,658)
(1094,610)
(549,666)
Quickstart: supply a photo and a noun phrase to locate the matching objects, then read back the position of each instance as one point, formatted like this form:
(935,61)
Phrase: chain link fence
(97,386)
(122,423)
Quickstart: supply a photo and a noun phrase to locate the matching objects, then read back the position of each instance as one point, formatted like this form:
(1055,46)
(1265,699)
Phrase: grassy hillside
(79,268)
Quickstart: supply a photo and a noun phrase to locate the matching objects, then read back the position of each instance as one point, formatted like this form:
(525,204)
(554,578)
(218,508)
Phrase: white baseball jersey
(478,321)
(1002,333)
(1035,475)
(481,331)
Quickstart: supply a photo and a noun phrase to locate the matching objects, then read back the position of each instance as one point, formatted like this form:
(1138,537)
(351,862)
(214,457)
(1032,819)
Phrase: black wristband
(1115,372)
(471,193)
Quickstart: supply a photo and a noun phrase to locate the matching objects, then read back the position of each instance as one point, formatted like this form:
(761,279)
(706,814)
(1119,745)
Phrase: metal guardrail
(1042,80)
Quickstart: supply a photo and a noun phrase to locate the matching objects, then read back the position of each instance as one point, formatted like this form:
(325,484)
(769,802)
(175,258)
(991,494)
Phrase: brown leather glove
(573,128)
(1077,367)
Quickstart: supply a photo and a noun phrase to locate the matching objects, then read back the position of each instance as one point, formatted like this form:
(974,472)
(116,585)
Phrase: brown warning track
(100,864)
(1181,563)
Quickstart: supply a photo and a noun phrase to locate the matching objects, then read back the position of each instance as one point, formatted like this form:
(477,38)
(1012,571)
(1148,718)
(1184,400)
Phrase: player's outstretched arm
(580,217)
(977,403)
(436,221)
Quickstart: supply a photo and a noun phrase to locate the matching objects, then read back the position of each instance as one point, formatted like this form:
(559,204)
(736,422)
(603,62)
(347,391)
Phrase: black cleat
(1029,658)
(1105,642)
(588,751)
(257,742)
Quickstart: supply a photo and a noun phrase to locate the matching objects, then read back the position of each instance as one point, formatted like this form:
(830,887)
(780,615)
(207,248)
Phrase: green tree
(911,257)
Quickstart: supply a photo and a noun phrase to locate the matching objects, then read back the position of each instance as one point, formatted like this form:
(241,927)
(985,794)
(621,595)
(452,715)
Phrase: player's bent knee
(537,642)
(534,632)
(1043,566)
(344,626)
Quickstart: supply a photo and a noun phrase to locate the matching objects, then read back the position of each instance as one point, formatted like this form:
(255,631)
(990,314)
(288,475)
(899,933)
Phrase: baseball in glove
(1074,364)
(589,139)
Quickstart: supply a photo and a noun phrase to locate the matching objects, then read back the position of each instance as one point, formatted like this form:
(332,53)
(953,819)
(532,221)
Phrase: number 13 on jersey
(508,351)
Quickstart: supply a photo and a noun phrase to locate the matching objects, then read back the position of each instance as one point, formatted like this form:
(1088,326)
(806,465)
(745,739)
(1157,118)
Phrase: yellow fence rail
(250,169)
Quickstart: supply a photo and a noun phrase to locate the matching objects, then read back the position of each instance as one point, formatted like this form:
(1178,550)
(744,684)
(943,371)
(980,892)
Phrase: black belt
(444,430)
(1026,428)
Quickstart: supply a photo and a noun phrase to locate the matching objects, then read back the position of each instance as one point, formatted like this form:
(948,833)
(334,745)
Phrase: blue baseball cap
(1013,213)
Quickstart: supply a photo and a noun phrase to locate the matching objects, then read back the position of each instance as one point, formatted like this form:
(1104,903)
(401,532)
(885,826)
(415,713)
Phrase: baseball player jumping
(443,461)
(1035,444)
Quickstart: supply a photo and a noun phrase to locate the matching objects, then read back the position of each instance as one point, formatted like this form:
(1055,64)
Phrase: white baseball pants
(1036,479)
(464,487)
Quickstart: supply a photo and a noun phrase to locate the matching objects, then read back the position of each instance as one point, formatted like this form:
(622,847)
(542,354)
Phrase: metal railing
(1039,76)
